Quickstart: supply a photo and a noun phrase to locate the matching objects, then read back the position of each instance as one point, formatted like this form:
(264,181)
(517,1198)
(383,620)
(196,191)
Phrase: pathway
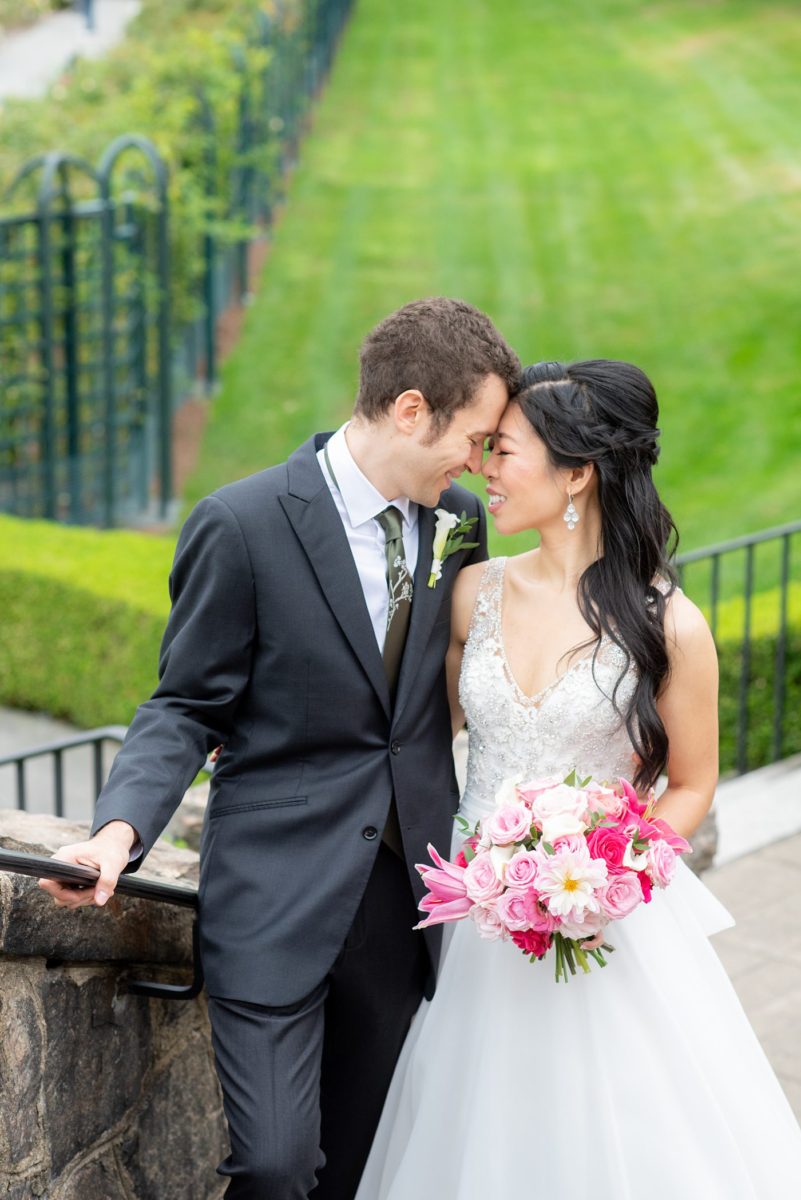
(33,58)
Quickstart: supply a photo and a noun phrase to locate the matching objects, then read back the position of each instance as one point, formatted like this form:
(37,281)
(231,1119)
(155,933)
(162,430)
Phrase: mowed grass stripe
(610,178)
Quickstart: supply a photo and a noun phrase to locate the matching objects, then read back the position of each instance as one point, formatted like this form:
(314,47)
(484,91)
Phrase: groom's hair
(441,347)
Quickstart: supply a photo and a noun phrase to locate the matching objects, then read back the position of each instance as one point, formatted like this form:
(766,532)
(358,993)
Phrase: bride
(643,1080)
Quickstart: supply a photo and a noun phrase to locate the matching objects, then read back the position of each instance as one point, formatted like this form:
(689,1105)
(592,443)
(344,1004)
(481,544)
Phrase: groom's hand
(108,851)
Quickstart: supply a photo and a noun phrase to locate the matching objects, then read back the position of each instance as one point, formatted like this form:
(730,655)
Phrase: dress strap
(485,620)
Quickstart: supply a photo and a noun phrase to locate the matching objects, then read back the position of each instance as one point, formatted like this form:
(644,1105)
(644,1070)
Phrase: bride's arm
(688,707)
(463,601)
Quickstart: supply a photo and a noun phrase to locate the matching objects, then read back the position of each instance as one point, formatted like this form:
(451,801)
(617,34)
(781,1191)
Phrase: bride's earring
(571,517)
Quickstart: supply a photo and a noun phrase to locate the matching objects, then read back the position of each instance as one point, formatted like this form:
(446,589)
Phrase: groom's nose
(475,459)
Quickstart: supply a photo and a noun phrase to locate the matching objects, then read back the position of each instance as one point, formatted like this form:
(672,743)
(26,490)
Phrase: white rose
(557,801)
(507,792)
(561,825)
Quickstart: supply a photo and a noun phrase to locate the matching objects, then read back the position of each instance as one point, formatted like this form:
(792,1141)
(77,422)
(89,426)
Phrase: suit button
(395,747)
(370,833)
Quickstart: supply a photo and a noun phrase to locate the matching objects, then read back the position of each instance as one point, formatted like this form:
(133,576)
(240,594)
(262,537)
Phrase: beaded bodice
(571,723)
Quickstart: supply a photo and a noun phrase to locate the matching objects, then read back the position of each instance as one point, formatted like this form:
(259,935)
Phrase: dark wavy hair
(605,413)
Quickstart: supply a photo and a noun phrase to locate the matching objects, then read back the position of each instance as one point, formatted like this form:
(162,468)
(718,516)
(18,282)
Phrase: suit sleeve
(204,668)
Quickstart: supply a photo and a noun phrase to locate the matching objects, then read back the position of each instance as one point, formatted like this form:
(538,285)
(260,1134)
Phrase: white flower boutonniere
(449,537)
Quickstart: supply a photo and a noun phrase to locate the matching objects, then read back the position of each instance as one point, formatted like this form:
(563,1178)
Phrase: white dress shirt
(358,504)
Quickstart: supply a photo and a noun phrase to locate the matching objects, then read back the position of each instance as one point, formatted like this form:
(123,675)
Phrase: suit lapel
(311,511)
(425,607)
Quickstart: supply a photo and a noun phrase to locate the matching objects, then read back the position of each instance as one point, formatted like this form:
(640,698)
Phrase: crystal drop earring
(570,516)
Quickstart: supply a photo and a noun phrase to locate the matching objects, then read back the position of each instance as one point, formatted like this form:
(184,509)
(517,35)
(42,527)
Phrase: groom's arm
(204,667)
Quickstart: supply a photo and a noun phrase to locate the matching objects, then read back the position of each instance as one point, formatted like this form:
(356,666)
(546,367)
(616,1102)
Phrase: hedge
(83,613)
(84,610)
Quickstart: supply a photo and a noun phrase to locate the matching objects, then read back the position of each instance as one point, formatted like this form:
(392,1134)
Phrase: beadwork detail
(570,723)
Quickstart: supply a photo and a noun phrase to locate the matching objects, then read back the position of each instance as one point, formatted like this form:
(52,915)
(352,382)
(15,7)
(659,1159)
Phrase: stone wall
(103,1095)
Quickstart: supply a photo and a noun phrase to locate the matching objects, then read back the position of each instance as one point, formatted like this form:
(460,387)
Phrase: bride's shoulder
(465,593)
(686,628)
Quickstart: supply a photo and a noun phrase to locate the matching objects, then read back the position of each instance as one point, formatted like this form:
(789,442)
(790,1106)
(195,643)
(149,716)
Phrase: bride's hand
(594,942)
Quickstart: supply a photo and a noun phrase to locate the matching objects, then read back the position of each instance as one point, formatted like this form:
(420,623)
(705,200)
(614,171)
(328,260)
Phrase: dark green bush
(760,700)
(82,615)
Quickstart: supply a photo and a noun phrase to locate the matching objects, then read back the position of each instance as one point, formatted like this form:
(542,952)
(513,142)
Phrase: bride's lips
(496,500)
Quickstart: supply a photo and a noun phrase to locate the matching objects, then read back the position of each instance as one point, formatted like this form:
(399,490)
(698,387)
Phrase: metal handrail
(783,534)
(57,748)
(740,543)
(18,862)
(92,737)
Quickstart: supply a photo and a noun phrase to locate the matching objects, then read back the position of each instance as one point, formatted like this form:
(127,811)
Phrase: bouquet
(553,865)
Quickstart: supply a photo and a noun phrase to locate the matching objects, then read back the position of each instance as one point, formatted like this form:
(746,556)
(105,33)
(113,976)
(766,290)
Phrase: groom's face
(439,458)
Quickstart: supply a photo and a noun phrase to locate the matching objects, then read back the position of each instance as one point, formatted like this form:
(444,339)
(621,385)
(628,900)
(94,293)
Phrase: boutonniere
(449,537)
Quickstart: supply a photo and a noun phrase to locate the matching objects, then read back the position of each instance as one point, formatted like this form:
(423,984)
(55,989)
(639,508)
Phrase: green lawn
(605,177)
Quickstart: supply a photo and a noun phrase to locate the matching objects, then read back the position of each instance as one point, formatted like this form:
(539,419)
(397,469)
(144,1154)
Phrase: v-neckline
(536,699)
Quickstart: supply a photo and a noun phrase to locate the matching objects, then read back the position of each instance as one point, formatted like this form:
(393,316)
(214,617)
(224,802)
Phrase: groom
(305,638)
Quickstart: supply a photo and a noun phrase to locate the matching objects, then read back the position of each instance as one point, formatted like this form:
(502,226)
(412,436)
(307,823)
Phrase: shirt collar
(362,501)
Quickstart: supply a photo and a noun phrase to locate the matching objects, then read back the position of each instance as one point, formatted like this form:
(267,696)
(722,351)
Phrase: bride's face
(525,490)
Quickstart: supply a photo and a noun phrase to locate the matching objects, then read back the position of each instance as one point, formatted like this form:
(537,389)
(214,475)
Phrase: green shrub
(761,707)
(83,612)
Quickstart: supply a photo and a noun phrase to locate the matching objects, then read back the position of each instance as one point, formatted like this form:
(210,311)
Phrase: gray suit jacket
(269,650)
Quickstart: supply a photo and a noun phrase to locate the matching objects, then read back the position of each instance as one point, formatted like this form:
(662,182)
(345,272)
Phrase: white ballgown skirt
(641,1081)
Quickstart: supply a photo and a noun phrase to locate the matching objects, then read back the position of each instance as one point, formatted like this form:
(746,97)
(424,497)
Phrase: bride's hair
(605,412)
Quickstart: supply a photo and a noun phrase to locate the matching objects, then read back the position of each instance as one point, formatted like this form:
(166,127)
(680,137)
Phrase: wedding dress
(639,1081)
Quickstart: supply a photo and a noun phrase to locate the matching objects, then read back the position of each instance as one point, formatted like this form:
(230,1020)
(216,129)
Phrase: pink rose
(592,924)
(511,823)
(530,790)
(620,895)
(480,879)
(608,844)
(540,917)
(513,909)
(488,922)
(605,799)
(645,884)
(531,941)
(558,803)
(661,862)
(521,870)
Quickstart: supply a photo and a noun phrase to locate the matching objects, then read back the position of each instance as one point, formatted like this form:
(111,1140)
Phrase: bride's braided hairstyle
(605,412)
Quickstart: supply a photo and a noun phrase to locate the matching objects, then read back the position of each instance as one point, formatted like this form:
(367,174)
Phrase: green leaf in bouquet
(468,852)
(570,779)
(583,783)
(548,848)
(464,826)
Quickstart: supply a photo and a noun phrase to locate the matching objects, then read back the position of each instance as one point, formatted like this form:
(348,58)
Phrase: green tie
(399,583)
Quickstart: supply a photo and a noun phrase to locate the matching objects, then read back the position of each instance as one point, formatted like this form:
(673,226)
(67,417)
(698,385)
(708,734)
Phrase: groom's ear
(410,411)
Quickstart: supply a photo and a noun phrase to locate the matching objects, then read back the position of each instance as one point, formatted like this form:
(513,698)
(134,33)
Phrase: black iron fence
(750,590)
(92,360)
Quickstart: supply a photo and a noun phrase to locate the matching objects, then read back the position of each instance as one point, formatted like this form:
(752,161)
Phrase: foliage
(83,613)
(178,78)
(605,178)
